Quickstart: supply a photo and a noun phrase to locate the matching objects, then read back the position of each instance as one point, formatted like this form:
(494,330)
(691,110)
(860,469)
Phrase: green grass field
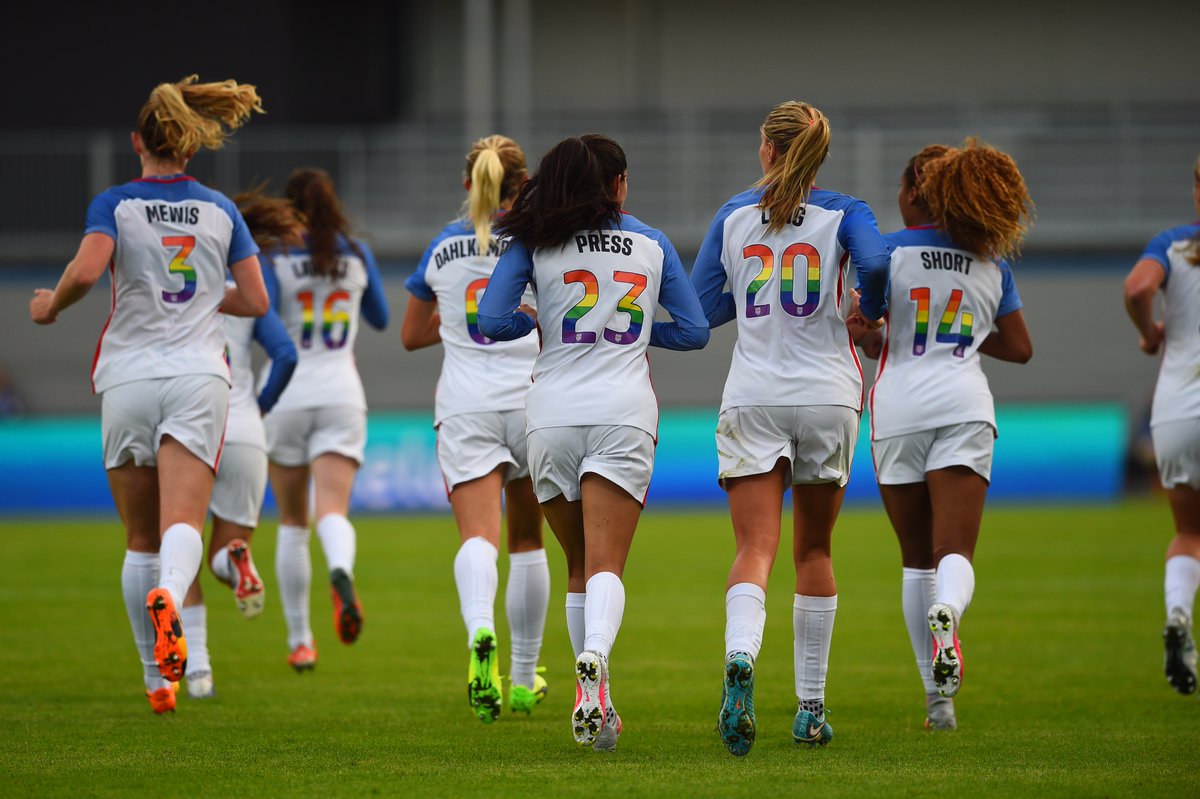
(1064,694)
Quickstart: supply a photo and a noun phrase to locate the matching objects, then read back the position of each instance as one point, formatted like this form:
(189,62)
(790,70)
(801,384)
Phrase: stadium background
(1100,113)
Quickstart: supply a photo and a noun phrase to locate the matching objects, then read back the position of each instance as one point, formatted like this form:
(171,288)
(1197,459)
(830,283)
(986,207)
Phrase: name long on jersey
(478,374)
(942,303)
(793,347)
(321,315)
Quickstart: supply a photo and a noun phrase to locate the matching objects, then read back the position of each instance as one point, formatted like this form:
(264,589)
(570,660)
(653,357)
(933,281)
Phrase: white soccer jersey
(597,297)
(174,241)
(322,317)
(245,424)
(479,374)
(942,304)
(1177,393)
(786,290)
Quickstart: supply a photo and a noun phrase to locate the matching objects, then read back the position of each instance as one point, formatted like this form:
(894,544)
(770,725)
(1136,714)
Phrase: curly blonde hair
(180,118)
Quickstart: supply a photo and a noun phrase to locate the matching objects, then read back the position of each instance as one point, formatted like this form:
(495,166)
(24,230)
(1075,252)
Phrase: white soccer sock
(812,623)
(745,617)
(602,611)
(179,559)
(476,577)
(139,576)
(916,595)
(955,583)
(1182,580)
(338,541)
(195,630)
(575,623)
(525,600)
(222,567)
(293,571)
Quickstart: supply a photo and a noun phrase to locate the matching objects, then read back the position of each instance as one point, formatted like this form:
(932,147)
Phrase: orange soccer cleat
(170,648)
(248,586)
(162,700)
(347,612)
(303,658)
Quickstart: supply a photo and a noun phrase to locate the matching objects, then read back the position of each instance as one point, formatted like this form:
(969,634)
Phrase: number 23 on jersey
(591,292)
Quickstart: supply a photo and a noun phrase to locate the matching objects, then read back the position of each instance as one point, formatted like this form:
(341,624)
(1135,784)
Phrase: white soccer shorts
(817,440)
(296,438)
(906,459)
(559,457)
(135,416)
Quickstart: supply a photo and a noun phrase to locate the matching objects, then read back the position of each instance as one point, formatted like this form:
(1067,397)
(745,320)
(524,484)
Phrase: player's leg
(236,503)
(194,616)
(1180,584)
(476,507)
(527,595)
(333,480)
(293,559)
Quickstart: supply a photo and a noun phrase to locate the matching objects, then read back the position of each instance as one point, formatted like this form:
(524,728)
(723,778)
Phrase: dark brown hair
(272,220)
(311,192)
(914,171)
(571,191)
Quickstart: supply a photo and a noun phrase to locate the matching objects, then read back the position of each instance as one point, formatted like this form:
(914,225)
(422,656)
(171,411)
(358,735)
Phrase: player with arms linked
(160,367)
(790,410)
(599,277)
(480,421)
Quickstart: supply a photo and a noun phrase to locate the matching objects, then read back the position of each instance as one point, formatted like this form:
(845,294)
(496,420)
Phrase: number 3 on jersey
(180,266)
(962,339)
(591,292)
(330,317)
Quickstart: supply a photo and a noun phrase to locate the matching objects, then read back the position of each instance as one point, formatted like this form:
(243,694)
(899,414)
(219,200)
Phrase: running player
(790,411)
(480,420)
(599,277)
(1170,263)
(241,482)
(932,422)
(160,366)
(318,428)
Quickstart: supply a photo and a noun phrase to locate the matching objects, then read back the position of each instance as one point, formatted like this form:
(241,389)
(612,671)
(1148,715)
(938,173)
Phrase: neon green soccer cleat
(525,699)
(483,677)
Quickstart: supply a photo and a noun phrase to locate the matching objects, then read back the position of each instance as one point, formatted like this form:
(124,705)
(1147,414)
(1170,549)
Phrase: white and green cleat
(483,677)
(525,699)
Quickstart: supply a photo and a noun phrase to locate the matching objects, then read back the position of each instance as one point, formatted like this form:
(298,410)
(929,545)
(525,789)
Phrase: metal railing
(1102,176)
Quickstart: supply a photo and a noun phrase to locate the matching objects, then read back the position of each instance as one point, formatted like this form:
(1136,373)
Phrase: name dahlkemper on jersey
(467,248)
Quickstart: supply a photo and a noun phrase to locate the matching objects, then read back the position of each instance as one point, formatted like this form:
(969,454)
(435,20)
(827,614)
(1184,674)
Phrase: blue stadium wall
(1045,453)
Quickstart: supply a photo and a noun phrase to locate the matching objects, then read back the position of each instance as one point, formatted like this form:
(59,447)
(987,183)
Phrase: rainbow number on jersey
(962,339)
(591,292)
(472,305)
(180,266)
(766,257)
(331,316)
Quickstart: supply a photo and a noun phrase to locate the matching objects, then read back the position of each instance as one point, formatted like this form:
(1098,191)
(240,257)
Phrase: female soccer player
(789,415)
(480,420)
(318,428)
(1170,263)
(160,366)
(599,277)
(932,422)
(241,481)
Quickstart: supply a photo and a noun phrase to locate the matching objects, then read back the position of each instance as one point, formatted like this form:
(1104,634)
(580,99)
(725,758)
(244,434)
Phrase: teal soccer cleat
(735,723)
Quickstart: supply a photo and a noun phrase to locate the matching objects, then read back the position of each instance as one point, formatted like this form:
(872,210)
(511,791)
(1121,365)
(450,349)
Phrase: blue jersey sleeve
(709,276)
(1010,300)
(689,328)
(859,235)
(1156,250)
(374,305)
(241,243)
(102,216)
(416,284)
(267,263)
(270,333)
(498,317)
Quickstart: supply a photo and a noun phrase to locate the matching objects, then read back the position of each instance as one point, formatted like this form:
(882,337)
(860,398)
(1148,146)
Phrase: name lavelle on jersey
(301,266)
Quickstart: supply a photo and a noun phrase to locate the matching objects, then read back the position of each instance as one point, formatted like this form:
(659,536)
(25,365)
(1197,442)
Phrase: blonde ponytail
(483,198)
(800,134)
(496,169)
(180,118)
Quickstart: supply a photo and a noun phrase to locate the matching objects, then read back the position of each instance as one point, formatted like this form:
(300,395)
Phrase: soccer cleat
(606,739)
(170,647)
(1179,662)
(200,685)
(735,723)
(303,658)
(347,612)
(587,718)
(248,586)
(483,677)
(811,729)
(939,713)
(162,700)
(947,651)
(525,699)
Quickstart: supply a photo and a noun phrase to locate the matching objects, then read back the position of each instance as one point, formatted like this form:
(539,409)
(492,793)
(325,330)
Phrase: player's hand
(1151,344)
(857,315)
(40,307)
(529,310)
